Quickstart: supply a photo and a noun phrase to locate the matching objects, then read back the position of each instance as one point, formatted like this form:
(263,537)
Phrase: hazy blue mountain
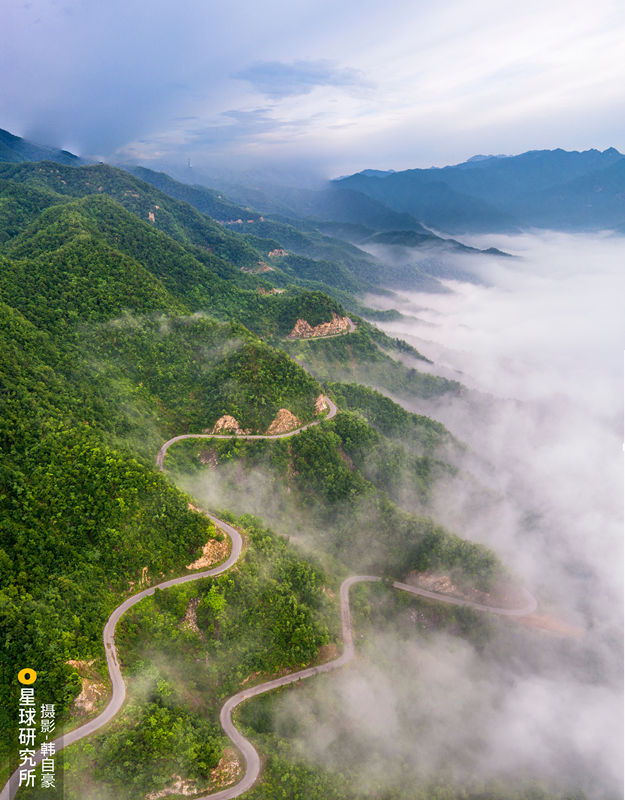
(15,149)
(480,157)
(595,200)
(409,256)
(431,200)
(376,173)
(333,203)
(543,188)
(337,204)
(317,255)
(497,177)
(322,250)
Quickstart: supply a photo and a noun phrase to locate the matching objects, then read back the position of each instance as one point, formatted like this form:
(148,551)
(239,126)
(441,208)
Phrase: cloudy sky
(337,86)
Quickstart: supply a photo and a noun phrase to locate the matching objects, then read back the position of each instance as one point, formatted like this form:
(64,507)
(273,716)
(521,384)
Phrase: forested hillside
(129,317)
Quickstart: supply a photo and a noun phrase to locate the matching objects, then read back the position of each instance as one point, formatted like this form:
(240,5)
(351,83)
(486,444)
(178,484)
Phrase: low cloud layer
(434,710)
(541,347)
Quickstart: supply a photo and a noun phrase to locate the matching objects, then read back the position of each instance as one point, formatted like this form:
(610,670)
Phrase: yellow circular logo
(27,676)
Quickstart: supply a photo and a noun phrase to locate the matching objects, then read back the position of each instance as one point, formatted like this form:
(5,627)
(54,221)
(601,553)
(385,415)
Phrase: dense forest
(129,316)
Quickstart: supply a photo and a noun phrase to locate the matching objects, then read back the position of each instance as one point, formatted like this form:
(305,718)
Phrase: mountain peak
(484,158)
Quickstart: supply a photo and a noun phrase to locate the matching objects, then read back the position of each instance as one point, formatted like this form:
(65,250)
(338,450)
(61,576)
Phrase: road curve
(118,687)
(160,458)
(245,747)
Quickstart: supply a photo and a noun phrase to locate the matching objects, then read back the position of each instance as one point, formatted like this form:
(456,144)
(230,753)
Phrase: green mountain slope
(321,244)
(79,519)
(433,202)
(166,214)
(321,258)
(14,149)
(116,335)
(366,357)
(95,242)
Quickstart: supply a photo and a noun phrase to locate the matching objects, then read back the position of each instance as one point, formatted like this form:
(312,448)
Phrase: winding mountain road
(245,747)
(160,458)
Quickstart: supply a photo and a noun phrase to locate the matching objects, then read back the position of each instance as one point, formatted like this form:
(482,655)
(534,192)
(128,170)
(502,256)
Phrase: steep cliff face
(303,330)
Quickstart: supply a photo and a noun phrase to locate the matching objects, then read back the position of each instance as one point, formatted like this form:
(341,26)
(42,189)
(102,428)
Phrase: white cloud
(440,78)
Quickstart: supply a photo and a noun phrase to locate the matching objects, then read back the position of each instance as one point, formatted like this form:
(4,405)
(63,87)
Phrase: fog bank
(541,345)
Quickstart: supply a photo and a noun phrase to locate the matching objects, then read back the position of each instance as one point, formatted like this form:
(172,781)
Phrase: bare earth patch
(227,424)
(346,458)
(327,652)
(251,677)
(92,689)
(190,616)
(225,774)
(260,267)
(549,624)
(209,457)
(303,330)
(503,595)
(143,581)
(320,404)
(212,553)
(284,422)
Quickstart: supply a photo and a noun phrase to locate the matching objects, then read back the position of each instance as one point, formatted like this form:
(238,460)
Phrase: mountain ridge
(14,149)
(495,193)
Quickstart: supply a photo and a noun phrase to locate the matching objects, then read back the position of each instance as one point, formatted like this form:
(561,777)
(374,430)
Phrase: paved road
(160,458)
(118,687)
(245,747)
(118,694)
(252,759)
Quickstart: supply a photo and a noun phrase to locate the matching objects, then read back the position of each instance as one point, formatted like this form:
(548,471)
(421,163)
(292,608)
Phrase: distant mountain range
(541,188)
(555,189)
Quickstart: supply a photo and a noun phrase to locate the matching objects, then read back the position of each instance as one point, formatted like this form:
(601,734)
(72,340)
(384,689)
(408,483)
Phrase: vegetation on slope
(115,335)
(84,515)
(345,488)
(269,614)
(196,370)
(80,521)
(354,758)
(368,357)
